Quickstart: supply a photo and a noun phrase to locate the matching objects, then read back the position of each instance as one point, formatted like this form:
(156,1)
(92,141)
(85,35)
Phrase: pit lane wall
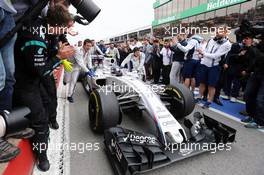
(24,163)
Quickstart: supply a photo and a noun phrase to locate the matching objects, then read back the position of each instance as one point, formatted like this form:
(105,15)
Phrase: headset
(220,40)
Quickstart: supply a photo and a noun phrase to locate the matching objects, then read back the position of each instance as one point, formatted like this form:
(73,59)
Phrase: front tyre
(181,100)
(104,110)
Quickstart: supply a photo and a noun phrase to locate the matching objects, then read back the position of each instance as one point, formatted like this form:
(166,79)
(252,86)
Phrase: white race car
(112,91)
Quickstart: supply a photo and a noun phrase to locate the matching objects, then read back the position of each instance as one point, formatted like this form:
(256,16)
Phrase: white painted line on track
(67,158)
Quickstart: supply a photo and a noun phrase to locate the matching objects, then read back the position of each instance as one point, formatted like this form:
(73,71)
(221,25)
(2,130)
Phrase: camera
(248,29)
(87,8)
(14,121)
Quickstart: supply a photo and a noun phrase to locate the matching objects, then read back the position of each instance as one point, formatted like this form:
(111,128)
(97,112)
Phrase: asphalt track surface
(245,158)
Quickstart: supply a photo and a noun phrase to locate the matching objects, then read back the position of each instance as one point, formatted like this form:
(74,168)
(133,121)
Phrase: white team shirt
(167,56)
(214,51)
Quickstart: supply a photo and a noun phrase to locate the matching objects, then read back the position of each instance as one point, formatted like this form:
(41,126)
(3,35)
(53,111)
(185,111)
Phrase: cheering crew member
(210,69)
(192,61)
(32,64)
(178,59)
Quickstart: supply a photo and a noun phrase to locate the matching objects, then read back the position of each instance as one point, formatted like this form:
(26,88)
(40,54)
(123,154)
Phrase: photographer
(238,60)
(254,93)
(49,92)
(32,51)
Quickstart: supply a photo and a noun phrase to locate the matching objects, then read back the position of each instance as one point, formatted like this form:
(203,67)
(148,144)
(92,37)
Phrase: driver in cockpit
(134,60)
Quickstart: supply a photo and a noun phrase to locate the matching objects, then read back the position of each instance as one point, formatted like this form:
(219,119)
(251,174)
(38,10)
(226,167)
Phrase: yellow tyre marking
(177,93)
(174,90)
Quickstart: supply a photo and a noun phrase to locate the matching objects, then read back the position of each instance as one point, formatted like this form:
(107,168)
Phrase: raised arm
(126,60)
(224,49)
(192,43)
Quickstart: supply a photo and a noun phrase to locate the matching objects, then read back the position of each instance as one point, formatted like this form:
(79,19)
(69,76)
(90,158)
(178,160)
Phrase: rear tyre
(181,100)
(104,110)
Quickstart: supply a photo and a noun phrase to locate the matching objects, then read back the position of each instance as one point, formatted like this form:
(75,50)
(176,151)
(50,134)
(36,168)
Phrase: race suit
(31,60)
(134,63)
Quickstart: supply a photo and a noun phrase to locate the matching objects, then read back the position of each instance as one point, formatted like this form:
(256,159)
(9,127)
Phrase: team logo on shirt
(40,51)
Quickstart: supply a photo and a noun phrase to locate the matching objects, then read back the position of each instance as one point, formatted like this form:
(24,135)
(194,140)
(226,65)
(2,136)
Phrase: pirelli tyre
(104,110)
(181,100)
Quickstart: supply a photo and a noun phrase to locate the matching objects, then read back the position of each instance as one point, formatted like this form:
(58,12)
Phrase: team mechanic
(81,58)
(32,65)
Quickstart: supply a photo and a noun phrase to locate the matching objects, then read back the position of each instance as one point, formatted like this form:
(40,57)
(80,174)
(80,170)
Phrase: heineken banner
(210,6)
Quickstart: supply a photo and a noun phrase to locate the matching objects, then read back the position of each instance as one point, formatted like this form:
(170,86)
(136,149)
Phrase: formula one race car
(113,91)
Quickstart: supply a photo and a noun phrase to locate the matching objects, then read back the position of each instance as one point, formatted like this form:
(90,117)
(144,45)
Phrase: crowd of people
(217,67)
(28,60)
